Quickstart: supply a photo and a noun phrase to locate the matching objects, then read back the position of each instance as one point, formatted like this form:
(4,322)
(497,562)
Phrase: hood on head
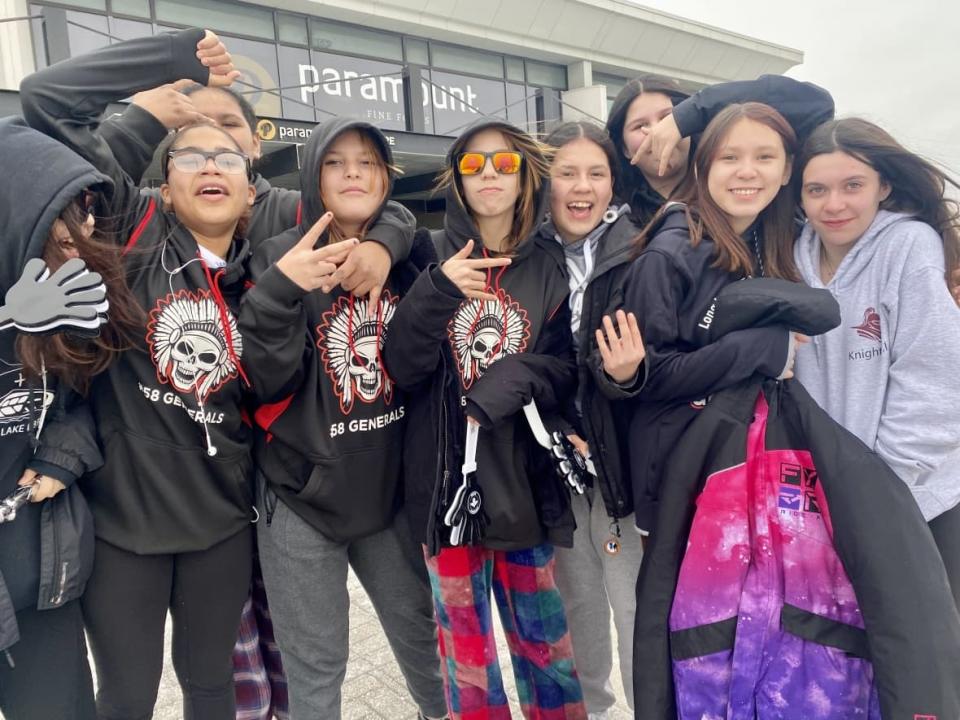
(458,222)
(321,139)
(42,177)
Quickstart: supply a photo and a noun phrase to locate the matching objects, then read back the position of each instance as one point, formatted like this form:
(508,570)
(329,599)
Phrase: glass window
(514,68)
(231,17)
(466,60)
(259,79)
(334,37)
(129,29)
(614,84)
(292,28)
(554,76)
(459,100)
(86,4)
(417,52)
(295,72)
(517,104)
(86,32)
(137,8)
(354,87)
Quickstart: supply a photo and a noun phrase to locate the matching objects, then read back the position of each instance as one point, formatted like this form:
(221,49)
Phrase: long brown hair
(75,359)
(533,172)
(917,186)
(387,171)
(706,218)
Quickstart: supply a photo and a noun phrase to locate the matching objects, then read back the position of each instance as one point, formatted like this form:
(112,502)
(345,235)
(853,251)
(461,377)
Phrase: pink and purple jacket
(791,575)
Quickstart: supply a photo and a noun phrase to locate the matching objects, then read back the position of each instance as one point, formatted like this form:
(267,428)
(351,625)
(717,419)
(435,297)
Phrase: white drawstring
(43,402)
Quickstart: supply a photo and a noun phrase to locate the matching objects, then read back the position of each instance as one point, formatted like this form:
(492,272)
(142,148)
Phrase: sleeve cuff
(477,413)
(278,288)
(143,125)
(685,115)
(54,471)
(183,60)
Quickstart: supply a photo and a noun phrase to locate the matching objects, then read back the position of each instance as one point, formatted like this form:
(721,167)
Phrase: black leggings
(50,676)
(125,609)
(946,531)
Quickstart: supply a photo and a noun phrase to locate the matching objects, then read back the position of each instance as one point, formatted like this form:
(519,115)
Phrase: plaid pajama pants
(532,616)
(259,683)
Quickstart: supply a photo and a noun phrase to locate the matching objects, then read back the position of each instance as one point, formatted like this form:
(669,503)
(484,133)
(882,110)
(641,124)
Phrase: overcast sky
(895,63)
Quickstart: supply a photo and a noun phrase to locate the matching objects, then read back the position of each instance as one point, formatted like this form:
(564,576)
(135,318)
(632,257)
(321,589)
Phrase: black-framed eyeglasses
(190,160)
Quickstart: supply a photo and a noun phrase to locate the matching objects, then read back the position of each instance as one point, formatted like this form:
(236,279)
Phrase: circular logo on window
(266,129)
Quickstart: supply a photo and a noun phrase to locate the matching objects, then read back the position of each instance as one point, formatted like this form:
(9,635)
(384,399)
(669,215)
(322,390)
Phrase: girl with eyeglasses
(476,338)
(173,501)
(330,434)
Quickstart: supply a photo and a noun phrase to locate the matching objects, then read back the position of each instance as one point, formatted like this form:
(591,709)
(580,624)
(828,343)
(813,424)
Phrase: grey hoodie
(888,373)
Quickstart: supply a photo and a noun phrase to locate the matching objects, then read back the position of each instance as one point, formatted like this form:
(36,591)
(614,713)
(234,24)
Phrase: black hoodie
(333,419)
(672,289)
(176,442)
(48,178)
(487,359)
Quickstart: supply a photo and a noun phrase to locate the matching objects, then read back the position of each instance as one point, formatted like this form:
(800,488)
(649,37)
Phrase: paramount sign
(386,89)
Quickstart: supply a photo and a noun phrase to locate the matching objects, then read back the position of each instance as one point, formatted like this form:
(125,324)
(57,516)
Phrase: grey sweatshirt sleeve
(920,426)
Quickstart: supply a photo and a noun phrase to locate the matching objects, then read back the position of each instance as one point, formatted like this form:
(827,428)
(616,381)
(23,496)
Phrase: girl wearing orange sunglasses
(480,336)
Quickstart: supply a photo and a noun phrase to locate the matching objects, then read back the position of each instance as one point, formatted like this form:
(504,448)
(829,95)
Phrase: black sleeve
(804,105)
(273,324)
(546,374)
(394,230)
(655,292)
(412,350)
(66,100)
(133,137)
(68,444)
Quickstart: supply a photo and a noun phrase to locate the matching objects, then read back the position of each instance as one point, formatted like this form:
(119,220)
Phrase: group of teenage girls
(300,376)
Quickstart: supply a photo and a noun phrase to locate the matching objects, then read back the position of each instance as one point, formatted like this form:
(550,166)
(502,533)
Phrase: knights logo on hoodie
(483,331)
(351,345)
(194,343)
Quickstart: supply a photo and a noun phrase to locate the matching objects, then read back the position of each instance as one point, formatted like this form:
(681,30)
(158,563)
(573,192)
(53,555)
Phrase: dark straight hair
(570,131)
(706,218)
(917,186)
(246,109)
(617,119)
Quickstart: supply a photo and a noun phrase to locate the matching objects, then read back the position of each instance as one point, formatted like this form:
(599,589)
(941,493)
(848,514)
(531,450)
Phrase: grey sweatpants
(305,575)
(592,582)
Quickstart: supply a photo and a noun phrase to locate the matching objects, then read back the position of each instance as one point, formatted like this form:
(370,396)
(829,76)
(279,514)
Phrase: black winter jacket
(603,419)
(46,552)
(671,288)
(486,359)
(332,419)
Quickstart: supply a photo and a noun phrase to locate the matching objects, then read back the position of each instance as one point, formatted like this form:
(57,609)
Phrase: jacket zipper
(61,581)
(603,477)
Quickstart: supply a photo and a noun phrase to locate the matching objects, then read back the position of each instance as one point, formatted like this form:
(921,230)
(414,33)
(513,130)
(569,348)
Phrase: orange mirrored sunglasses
(505,162)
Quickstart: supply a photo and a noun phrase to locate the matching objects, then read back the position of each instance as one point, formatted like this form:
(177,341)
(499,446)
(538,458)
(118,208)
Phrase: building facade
(421,70)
